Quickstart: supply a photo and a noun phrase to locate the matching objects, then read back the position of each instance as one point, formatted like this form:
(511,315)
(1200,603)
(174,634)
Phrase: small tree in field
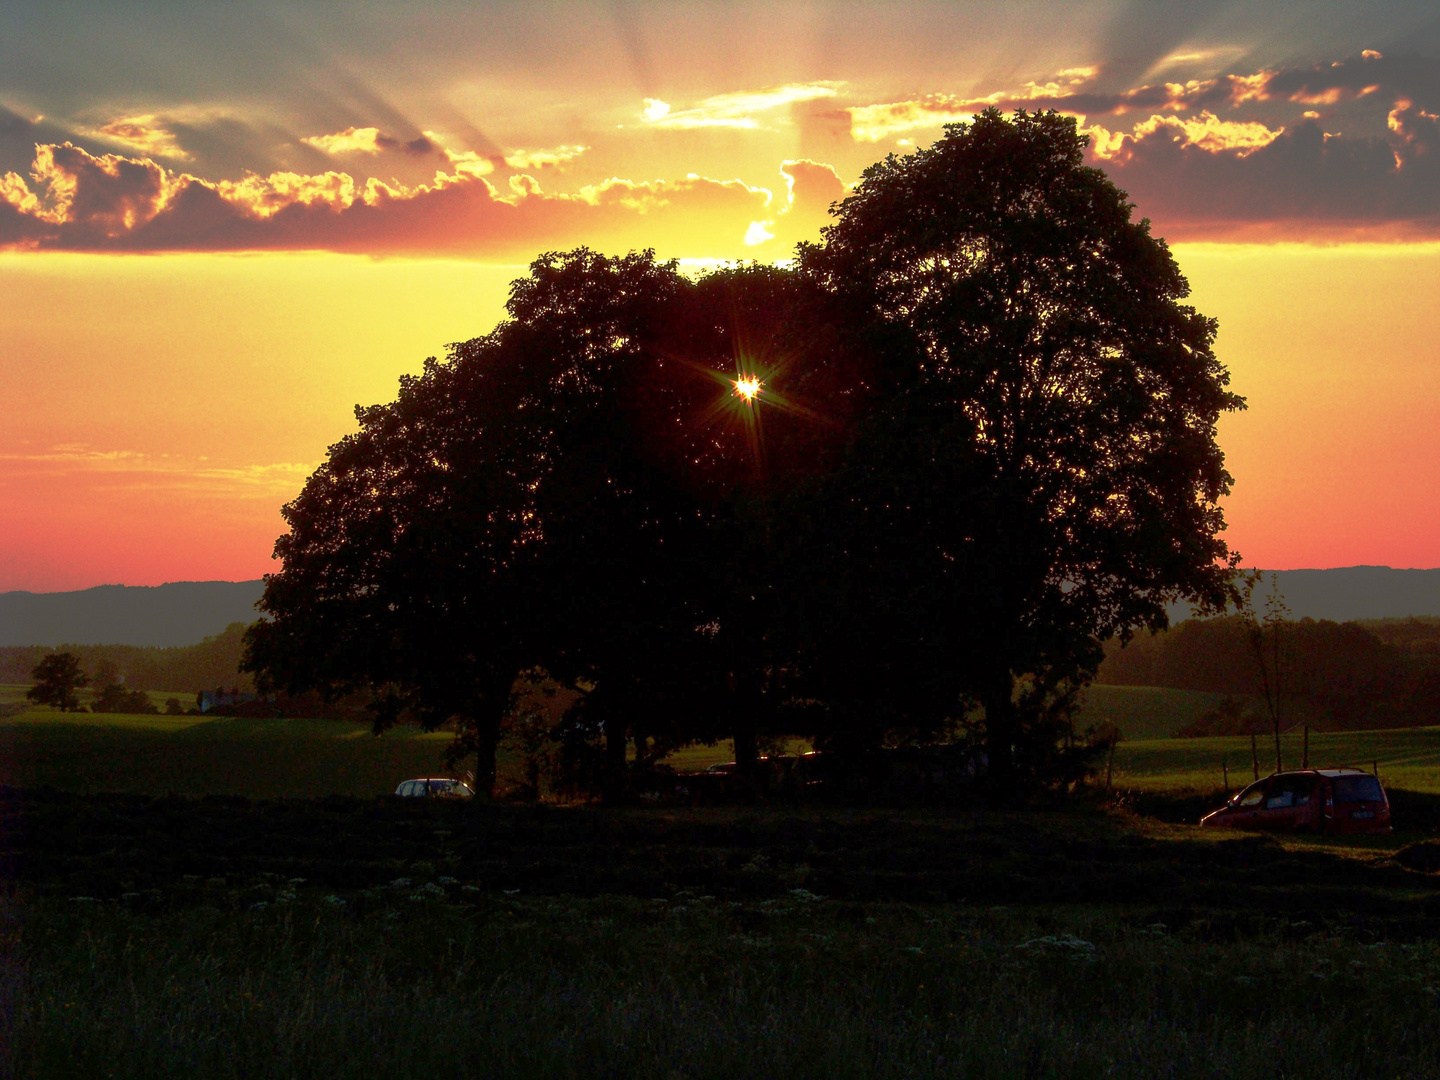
(1265,636)
(57,678)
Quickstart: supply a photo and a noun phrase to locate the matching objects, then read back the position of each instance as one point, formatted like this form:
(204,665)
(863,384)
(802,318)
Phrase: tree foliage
(1040,469)
(57,678)
(979,438)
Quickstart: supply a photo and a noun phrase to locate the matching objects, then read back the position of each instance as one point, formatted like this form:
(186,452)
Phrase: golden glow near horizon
(269,245)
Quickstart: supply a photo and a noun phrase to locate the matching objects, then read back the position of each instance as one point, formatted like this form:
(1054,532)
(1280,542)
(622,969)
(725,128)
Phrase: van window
(1352,789)
(1290,791)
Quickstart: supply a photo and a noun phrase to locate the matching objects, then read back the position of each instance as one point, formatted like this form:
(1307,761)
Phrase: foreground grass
(427,978)
(354,938)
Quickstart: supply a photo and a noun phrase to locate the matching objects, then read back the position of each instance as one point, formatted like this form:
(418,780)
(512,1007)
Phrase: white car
(434,787)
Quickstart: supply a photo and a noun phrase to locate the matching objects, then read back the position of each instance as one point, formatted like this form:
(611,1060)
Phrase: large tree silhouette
(970,436)
(572,491)
(1039,470)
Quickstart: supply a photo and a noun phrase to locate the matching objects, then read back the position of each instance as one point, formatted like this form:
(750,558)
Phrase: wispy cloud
(559,158)
(369,140)
(143,134)
(746,110)
(133,467)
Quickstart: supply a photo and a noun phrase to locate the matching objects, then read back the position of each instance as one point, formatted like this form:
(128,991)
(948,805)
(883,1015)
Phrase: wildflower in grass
(297,881)
(335,901)
(447,881)
(470,888)
(805,896)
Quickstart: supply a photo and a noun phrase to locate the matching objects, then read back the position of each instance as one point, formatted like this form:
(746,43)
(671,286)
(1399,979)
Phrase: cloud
(872,123)
(109,203)
(1302,183)
(142,134)
(138,469)
(558,158)
(758,233)
(734,110)
(810,189)
(1207,132)
(1070,91)
(369,140)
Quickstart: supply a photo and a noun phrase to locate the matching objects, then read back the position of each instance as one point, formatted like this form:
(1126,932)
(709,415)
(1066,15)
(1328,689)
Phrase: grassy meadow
(147,937)
(186,896)
(266,759)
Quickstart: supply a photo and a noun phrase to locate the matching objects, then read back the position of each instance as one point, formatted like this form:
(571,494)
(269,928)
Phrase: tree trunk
(613,790)
(1000,733)
(489,710)
(744,706)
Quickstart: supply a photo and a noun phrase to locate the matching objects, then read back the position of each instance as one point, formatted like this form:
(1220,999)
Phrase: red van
(1318,800)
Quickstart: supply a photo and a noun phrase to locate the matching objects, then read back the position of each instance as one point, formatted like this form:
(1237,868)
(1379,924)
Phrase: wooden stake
(1254,757)
(1109,766)
(1305,754)
(1225,771)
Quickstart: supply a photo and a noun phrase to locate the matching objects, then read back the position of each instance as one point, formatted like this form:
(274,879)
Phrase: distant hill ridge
(185,612)
(1347,593)
(163,616)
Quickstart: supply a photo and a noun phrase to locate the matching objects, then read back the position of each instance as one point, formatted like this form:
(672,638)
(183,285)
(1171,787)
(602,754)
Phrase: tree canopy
(57,678)
(1039,470)
(968,436)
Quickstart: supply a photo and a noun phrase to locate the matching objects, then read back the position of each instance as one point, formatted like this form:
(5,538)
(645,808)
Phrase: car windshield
(1349,789)
(1252,795)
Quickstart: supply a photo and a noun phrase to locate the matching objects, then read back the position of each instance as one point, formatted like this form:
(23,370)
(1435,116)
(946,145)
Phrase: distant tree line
(212,662)
(900,490)
(58,679)
(1335,676)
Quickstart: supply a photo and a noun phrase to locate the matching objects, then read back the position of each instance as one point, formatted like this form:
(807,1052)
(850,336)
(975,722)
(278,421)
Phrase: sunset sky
(222,226)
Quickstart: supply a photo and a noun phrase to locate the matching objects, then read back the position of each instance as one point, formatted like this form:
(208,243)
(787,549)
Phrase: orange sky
(218,235)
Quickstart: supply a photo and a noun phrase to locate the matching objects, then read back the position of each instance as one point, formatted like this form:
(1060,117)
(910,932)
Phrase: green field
(197,755)
(1407,758)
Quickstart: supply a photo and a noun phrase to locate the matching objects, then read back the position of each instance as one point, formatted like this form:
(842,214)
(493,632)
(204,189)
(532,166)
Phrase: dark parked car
(1317,800)
(434,787)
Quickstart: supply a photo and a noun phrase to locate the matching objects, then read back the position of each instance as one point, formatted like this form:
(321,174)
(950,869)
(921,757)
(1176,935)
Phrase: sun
(747,387)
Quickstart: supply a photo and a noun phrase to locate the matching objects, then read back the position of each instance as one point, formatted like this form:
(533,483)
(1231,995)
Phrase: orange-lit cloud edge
(1247,156)
(1233,159)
